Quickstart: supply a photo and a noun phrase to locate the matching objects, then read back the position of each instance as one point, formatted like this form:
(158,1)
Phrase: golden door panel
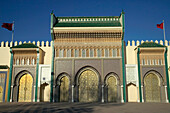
(1,94)
(88,86)
(83,87)
(64,89)
(112,89)
(152,88)
(25,88)
(2,83)
(28,88)
(22,89)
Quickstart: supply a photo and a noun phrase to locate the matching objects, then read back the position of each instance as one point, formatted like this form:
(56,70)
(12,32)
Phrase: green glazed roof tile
(26,45)
(151,44)
(115,24)
(3,67)
(88,21)
(84,17)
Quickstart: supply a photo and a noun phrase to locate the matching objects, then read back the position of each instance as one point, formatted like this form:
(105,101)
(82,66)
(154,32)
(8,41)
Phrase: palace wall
(131,60)
(46,47)
(131,53)
(131,69)
(5,56)
(5,51)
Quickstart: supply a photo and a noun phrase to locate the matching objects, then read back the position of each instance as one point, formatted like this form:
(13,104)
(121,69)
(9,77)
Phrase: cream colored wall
(48,55)
(132,93)
(130,53)
(5,51)
(5,56)
(168,54)
(47,50)
(168,57)
(47,93)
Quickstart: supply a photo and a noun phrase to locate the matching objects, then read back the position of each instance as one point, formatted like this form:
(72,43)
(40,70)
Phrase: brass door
(64,89)
(152,88)
(1,94)
(25,88)
(2,85)
(111,89)
(88,86)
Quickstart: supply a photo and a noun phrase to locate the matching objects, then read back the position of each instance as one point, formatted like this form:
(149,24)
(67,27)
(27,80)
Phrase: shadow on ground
(42,107)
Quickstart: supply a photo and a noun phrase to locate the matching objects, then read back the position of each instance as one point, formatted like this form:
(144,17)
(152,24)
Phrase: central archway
(25,88)
(88,86)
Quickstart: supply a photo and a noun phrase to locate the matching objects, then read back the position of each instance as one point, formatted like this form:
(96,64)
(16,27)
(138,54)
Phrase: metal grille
(88,86)
(152,88)
(25,88)
(64,89)
(112,89)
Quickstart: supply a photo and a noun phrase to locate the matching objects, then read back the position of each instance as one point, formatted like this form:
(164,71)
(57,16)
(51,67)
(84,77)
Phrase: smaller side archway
(63,88)
(132,95)
(44,92)
(153,83)
(112,88)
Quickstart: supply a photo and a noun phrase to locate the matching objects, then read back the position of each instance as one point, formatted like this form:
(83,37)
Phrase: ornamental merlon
(88,19)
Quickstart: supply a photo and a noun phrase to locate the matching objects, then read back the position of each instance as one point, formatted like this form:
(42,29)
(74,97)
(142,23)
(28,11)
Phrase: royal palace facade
(87,60)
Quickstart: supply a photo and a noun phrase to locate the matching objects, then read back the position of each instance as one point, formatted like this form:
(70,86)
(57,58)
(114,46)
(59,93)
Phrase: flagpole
(12,33)
(164,31)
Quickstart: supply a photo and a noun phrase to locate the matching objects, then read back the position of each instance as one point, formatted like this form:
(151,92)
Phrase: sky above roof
(32,17)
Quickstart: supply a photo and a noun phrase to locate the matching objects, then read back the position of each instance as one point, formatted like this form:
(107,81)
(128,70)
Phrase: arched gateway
(152,88)
(112,92)
(25,88)
(64,89)
(88,86)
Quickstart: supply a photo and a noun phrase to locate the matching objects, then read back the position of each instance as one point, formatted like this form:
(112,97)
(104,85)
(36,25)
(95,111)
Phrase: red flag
(160,25)
(7,26)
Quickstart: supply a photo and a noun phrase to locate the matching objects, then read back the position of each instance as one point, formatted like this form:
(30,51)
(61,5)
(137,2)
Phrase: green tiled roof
(26,45)
(150,44)
(3,67)
(110,21)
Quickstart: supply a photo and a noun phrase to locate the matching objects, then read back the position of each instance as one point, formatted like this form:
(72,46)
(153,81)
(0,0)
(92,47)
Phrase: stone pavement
(45,107)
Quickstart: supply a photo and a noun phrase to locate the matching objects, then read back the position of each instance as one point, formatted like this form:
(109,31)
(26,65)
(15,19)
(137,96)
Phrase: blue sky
(32,17)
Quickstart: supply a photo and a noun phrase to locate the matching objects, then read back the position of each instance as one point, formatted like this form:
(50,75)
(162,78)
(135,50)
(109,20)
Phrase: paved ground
(85,107)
